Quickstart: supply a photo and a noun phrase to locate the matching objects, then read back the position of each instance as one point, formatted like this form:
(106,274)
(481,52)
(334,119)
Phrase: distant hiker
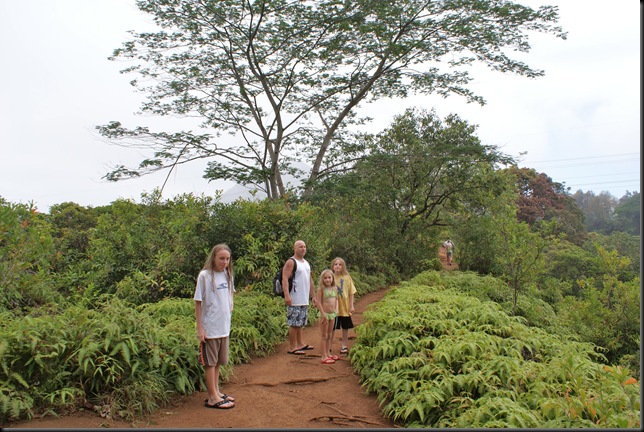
(213,310)
(327,301)
(346,292)
(449,250)
(297,301)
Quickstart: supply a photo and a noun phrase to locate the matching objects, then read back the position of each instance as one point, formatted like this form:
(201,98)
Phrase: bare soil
(279,391)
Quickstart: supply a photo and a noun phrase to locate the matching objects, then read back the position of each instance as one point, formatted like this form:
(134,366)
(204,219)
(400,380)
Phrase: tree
(286,77)
(628,213)
(421,165)
(416,173)
(521,256)
(543,200)
(598,210)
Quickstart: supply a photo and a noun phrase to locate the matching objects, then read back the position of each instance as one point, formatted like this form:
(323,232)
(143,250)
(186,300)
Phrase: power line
(608,182)
(603,175)
(587,157)
(603,162)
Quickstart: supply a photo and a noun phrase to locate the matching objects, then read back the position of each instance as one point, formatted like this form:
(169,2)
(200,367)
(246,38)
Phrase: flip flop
(296,352)
(220,404)
(306,348)
(334,357)
(344,350)
(229,398)
(328,360)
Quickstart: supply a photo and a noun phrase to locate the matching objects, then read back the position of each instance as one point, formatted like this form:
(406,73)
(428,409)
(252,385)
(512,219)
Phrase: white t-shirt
(216,303)
(301,284)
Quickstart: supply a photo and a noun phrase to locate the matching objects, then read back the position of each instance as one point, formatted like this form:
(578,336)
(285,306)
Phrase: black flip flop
(229,398)
(296,352)
(306,348)
(219,405)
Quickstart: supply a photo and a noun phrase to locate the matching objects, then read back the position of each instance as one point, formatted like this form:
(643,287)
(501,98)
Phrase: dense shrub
(568,262)
(121,360)
(26,252)
(438,358)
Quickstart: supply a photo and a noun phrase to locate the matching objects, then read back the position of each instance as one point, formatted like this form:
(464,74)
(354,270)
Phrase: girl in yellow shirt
(346,292)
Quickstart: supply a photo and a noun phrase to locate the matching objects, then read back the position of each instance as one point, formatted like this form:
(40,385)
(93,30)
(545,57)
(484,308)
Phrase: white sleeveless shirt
(301,284)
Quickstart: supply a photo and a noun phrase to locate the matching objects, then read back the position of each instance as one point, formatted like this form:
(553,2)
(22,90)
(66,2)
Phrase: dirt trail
(442,256)
(280,391)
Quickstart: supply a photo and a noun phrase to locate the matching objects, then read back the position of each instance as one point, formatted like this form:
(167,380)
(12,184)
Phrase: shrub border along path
(279,391)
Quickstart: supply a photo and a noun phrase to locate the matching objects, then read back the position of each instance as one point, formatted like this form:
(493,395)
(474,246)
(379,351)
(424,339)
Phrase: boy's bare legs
(212,382)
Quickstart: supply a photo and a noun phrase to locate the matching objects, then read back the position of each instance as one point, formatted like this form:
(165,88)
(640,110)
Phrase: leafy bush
(26,251)
(625,244)
(367,283)
(568,262)
(123,361)
(439,358)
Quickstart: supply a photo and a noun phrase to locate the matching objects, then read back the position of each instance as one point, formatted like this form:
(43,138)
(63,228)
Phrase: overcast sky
(580,124)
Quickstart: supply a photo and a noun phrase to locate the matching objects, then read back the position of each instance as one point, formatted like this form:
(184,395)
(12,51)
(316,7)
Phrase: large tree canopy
(285,77)
(542,199)
(422,165)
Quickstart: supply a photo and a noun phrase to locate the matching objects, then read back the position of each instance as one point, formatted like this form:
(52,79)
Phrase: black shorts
(343,322)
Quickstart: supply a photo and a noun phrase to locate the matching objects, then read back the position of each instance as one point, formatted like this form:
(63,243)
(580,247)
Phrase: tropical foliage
(541,325)
(438,358)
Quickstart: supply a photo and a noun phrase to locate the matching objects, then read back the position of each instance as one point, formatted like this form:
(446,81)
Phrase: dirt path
(442,256)
(280,391)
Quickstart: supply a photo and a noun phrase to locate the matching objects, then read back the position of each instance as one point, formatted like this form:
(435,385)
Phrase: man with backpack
(297,299)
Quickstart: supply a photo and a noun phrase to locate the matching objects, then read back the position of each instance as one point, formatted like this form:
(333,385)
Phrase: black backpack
(277,281)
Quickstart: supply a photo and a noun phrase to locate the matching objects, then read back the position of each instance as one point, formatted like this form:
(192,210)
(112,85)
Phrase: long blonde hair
(321,278)
(344,271)
(210,263)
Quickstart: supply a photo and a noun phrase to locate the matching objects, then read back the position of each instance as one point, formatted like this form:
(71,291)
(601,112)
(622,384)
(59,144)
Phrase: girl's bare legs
(323,338)
(329,336)
(345,338)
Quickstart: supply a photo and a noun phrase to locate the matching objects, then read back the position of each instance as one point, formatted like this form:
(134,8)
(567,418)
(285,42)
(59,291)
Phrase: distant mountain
(239,191)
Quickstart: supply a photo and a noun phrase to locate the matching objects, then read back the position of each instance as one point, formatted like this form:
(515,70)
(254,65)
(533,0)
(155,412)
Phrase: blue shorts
(296,316)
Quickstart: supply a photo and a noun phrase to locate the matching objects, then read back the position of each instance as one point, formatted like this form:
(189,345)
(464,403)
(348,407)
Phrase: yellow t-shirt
(346,283)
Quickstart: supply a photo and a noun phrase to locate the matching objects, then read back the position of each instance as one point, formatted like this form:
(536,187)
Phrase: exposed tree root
(342,420)
(295,381)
